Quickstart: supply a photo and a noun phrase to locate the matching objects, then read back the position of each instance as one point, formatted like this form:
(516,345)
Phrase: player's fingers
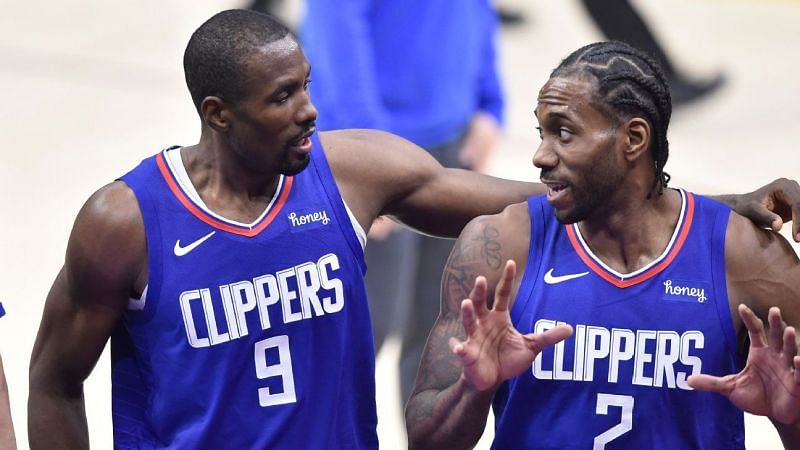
(457,347)
(703,382)
(796,215)
(775,332)
(789,195)
(502,294)
(789,345)
(797,369)
(538,342)
(468,317)
(478,296)
(763,217)
(755,328)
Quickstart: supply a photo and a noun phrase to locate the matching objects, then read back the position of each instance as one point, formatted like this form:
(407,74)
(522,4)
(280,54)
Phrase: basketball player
(642,287)
(229,274)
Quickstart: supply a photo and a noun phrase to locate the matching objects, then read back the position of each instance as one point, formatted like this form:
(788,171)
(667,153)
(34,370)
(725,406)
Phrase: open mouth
(303,142)
(556,191)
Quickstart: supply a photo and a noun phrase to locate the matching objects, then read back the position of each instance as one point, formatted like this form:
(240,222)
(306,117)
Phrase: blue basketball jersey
(620,381)
(250,336)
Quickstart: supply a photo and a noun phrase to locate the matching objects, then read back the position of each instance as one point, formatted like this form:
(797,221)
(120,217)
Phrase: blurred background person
(425,70)
(619,21)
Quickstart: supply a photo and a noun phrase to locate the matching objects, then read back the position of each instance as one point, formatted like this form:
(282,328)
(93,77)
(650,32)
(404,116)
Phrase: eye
(564,134)
(305,85)
(282,98)
(539,129)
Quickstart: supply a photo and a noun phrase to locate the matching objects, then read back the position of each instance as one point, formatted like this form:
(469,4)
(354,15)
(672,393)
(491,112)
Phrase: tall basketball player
(654,285)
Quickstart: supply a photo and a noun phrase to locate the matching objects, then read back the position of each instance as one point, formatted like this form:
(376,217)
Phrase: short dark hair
(629,84)
(215,60)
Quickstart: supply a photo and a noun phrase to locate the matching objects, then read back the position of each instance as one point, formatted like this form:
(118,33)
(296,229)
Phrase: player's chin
(296,164)
(567,215)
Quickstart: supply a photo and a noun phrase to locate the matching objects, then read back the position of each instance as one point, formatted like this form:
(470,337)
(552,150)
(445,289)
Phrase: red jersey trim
(213,221)
(614,279)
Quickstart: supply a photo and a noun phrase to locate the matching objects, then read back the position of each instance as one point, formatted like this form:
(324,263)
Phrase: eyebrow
(285,86)
(553,115)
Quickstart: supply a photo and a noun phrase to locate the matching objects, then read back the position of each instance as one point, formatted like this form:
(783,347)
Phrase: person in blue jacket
(427,71)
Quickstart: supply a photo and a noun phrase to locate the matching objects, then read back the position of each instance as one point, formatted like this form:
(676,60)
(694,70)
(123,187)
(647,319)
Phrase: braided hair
(629,84)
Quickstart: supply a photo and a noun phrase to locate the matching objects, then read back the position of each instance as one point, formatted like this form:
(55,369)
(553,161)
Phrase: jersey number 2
(625,422)
(282,369)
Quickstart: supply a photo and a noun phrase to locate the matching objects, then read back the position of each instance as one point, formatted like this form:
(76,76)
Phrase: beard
(293,167)
(594,191)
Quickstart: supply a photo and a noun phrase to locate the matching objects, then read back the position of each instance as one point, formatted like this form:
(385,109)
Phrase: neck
(632,230)
(227,185)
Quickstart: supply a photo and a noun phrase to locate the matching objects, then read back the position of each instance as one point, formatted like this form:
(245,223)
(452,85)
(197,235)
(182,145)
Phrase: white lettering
(319,216)
(304,291)
(698,293)
(657,358)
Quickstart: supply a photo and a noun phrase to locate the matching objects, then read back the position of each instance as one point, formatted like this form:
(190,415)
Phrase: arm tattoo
(490,247)
(470,255)
(475,253)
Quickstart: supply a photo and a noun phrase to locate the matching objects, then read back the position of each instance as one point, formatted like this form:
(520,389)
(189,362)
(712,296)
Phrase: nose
(306,112)
(545,157)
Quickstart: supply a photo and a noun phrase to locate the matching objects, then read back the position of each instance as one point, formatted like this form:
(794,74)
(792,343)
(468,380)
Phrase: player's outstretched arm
(473,346)
(105,256)
(382,174)
(770,206)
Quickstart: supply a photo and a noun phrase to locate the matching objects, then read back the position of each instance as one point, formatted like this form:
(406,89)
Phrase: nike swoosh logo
(549,278)
(180,251)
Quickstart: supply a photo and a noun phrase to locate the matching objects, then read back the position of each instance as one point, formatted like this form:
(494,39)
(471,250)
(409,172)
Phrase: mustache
(307,128)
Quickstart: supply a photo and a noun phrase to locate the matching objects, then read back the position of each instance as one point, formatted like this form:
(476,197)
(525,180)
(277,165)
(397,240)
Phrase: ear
(637,138)
(216,113)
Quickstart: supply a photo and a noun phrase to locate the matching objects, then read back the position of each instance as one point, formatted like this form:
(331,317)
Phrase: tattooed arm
(454,388)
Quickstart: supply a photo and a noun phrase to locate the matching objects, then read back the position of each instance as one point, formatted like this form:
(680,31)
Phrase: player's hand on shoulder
(772,205)
(769,385)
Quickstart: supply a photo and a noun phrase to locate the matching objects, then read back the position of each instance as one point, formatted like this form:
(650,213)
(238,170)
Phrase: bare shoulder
(482,249)
(762,268)
(107,245)
(748,247)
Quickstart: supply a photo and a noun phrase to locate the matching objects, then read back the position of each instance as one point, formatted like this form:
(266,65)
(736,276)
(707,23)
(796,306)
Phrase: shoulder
(747,246)
(761,267)
(484,246)
(108,242)
(112,209)
(507,234)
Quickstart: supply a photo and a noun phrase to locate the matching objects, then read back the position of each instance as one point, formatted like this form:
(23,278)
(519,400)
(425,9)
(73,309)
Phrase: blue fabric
(635,346)
(259,341)
(416,68)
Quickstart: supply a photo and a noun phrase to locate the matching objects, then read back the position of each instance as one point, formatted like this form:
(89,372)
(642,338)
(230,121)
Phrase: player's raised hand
(494,350)
(769,385)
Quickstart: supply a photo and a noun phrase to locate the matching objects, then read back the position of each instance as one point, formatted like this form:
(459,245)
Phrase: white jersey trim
(623,276)
(175,164)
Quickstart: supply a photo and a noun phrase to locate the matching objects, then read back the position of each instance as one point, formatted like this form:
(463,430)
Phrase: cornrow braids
(629,83)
